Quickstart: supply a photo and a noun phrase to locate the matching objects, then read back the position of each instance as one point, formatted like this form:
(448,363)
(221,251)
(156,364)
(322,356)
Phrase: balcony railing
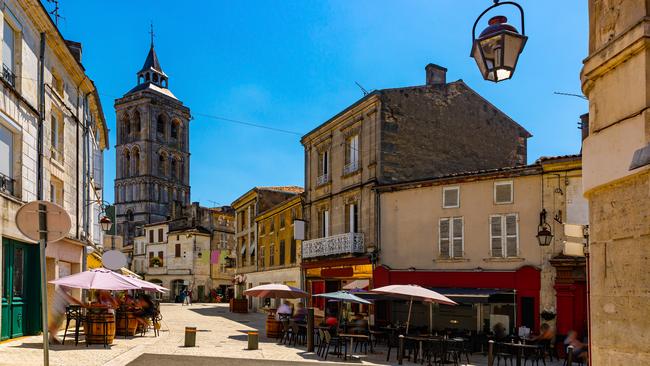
(6,184)
(322,179)
(8,76)
(348,243)
(351,167)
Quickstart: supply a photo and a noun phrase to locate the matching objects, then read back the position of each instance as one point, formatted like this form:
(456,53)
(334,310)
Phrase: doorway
(20,289)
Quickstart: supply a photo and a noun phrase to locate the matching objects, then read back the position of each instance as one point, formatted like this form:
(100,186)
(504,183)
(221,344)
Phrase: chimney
(75,48)
(436,74)
(584,125)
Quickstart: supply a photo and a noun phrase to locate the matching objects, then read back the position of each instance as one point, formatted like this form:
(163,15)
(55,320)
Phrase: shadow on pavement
(174,360)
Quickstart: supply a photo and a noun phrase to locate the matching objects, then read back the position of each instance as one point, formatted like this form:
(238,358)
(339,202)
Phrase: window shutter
(8,46)
(496,236)
(450,197)
(511,235)
(354,147)
(326,223)
(177,250)
(503,192)
(458,237)
(444,237)
(6,152)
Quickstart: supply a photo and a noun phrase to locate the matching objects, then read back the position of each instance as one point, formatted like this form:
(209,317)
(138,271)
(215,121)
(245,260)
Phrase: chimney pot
(436,74)
(75,48)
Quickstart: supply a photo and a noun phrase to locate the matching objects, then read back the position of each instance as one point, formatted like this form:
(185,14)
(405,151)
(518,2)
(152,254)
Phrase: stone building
(247,207)
(222,246)
(64,166)
(278,257)
(152,181)
(616,158)
(389,136)
(473,237)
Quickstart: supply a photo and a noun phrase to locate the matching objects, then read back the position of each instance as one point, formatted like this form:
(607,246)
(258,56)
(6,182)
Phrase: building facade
(278,258)
(389,136)
(152,152)
(473,237)
(57,157)
(617,180)
(247,207)
(222,246)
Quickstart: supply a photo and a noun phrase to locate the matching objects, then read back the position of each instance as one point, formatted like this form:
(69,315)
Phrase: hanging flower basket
(547,315)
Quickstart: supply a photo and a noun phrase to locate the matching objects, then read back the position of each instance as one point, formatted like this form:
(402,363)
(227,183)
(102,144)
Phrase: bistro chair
(339,345)
(503,352)
(534,355)
(73,312)
(432,351)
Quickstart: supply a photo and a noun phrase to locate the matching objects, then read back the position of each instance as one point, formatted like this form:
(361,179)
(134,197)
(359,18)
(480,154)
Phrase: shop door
(20,289)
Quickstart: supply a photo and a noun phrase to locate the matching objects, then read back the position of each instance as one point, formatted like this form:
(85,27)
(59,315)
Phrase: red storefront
(524,282)
(329,275)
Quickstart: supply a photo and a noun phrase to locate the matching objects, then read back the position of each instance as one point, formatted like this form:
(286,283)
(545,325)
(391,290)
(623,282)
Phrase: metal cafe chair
(73,312)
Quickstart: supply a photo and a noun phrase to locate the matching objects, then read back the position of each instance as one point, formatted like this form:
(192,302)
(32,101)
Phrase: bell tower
(152,151)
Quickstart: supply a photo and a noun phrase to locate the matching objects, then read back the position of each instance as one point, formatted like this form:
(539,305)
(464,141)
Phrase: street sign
(43,221)
(58,220)
(114,259)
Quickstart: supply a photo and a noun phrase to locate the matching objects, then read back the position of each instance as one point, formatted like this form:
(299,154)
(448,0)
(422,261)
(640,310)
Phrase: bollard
(569,355)
(190,336)
(310,330)
(490,353)
(253,340)
(400,350)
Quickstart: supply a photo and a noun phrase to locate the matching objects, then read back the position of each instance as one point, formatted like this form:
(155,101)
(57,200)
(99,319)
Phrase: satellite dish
(114,259)
(58,221)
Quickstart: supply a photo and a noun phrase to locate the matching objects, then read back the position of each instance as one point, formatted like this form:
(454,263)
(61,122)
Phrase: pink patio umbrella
(276,290)
(414,292)
(145,285)
(96,279)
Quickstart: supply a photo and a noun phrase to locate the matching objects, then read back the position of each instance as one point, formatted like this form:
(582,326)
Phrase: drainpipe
(41,119)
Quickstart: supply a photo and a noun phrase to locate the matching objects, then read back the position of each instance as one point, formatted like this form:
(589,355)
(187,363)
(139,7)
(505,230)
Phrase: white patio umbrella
(413,292)
(96,279)
(276,290)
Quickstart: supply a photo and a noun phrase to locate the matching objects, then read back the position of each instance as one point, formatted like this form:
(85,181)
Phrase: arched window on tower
(137,126)
(136,161)
(160,126)
(129,215)
(174,129)
(172,173)
(147,77)
(155,78)
(127,163)
(162,162)
(126,128)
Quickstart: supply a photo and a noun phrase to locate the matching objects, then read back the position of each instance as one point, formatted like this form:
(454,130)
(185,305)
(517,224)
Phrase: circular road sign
(58,221)
(114,259)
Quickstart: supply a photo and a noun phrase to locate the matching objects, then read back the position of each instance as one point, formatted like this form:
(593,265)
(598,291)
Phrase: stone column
(615,79)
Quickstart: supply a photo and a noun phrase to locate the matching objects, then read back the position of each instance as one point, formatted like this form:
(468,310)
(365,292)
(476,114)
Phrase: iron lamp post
(544,234)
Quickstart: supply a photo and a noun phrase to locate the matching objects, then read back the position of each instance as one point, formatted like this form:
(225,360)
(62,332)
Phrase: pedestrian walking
(189,297)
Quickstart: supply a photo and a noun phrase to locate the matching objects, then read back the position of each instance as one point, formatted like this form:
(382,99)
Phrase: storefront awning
(94,261)
(472,295)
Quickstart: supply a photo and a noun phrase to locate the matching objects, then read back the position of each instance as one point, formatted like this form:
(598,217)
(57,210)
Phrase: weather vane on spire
(152,34)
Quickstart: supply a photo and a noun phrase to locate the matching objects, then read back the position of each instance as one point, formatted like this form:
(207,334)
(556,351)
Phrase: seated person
(546,334)
(105,299)
(500,332)
(579,348)
(301,313)
(284,311)
(146,310)
(359,324)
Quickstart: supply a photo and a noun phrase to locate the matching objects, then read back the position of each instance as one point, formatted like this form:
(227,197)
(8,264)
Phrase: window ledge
(57,163)
(450,260)
(11,197)
(503,259)
(350,174)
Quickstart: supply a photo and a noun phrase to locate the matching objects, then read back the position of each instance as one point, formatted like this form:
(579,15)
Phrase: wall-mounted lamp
(544,234)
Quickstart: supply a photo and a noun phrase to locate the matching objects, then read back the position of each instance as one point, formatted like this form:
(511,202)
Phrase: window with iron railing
(6,160)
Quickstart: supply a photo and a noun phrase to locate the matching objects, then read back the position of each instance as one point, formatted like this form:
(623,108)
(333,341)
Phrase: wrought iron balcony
(6,184)
(348,243)
(8,76)
(351,167)
(322,179)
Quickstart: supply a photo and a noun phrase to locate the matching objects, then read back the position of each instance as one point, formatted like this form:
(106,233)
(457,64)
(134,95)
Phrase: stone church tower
(152,181)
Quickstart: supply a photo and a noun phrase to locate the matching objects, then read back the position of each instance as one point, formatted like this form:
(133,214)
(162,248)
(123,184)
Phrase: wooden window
(451,238)
(451,197)
(9,48)
(351,154)
(272,228)
(504,235)
(261,258)
(160,235)
(177,250)
(282,252)
(160,254)
(6,159)
(56,135)
(503,192)
(294,251)
(282,221)
(324,223)
(150,236)
(352,218)
(271,254)
(56,191)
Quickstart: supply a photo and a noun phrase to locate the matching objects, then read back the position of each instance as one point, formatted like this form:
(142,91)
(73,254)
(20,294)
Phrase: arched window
(127,163)
(126,127)
(175,128)
(155,78)
(129,215)
(162,162)
(137,126)
(160,126)
(147,77)
(172,173)
(136,161)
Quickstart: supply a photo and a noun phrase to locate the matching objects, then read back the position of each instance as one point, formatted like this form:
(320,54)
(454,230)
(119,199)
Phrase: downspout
(41,119)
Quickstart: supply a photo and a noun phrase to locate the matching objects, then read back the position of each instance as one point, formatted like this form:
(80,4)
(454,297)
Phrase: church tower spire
(151,71)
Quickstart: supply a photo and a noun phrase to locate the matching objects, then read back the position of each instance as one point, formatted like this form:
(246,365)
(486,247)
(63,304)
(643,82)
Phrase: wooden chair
(73,312)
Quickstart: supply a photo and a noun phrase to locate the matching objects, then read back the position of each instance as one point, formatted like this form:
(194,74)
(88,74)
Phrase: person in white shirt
(284,311)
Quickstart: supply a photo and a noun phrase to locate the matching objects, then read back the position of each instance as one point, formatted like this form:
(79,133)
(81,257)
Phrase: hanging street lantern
(105,223)
(497,48)
(544,234)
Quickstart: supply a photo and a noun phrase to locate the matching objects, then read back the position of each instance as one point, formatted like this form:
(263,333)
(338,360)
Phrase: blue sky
(293,64)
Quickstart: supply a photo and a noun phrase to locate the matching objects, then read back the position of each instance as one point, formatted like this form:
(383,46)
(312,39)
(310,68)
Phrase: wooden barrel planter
(98,324)
(239,305)
(273,327)
(127,324)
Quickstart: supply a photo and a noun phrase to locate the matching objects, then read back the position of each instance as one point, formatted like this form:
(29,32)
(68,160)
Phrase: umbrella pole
(430,318)
(408,319)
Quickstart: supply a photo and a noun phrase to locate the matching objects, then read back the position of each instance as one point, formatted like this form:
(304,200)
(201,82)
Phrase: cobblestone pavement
(221,337)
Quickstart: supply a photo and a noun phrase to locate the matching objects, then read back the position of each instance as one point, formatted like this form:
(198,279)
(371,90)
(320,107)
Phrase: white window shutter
(457,237)
(496,236)
(6,152)
(511,235)
(444,237)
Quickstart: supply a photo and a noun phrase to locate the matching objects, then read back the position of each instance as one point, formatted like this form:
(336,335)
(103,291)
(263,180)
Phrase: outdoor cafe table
(352,337)
(519,347)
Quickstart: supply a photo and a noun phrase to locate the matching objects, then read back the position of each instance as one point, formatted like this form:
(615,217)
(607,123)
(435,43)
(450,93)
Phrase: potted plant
(156,262)
(548,314)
